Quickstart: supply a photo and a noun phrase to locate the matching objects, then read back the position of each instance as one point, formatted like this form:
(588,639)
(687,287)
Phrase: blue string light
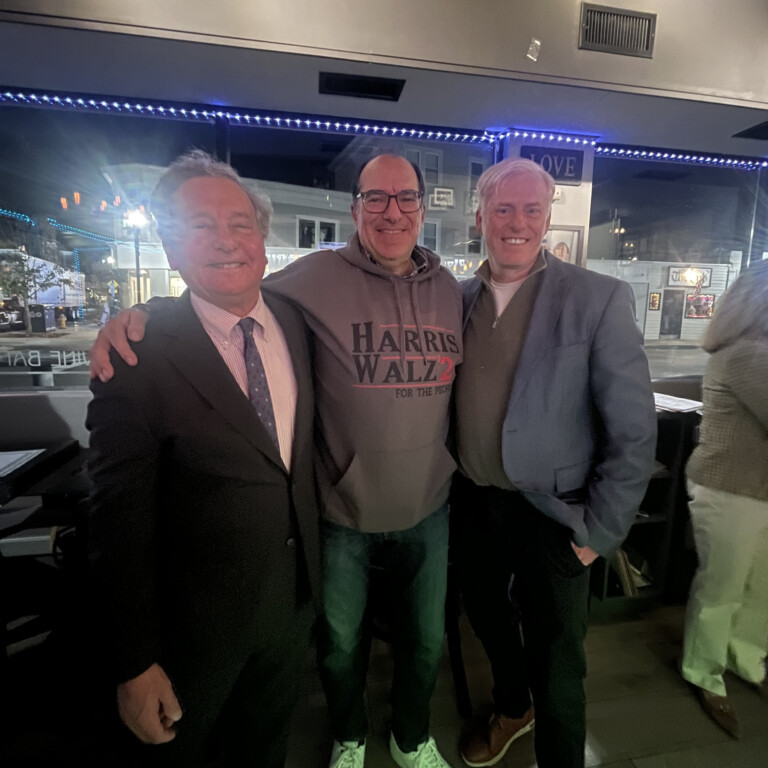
(16,216)
(82,232)
(240,117)
(679,156)
(514,133)
(293,121)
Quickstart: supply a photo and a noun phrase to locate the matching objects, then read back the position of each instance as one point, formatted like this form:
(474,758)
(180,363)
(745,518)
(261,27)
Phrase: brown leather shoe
(488,743)
(721,711)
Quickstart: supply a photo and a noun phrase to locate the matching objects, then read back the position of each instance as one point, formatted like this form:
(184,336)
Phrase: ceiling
(95,62)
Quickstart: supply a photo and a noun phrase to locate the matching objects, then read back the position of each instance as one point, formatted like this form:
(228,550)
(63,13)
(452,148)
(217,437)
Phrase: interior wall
(704,49)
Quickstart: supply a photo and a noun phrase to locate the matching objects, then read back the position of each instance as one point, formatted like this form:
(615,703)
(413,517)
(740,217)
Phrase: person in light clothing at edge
(555,434)
(726,624)
(385,320)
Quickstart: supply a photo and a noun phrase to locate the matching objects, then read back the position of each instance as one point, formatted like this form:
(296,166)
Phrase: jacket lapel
(470,290)
(194,355)
(541,328)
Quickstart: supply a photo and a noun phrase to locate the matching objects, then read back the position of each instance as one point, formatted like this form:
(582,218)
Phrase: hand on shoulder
(127,326)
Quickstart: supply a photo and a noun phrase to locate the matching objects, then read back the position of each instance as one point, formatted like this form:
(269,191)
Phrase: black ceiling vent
(759,132)
(361,86)
(614,30)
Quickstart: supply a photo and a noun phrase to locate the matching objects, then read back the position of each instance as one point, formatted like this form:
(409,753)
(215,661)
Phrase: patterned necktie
(258,389)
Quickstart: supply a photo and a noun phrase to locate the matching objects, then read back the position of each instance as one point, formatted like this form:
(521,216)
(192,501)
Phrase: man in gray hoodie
(386,322)
(385,318)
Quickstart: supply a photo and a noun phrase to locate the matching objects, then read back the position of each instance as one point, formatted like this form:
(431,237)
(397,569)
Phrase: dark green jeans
(499,538)
(413,565)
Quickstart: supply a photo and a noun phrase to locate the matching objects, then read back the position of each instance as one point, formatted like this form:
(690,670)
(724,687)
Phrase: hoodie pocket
(393,491)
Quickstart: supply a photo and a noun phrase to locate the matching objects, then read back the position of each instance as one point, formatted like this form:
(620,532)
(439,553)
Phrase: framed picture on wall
(441,198)
(699,307)
(654,302)
(566,242)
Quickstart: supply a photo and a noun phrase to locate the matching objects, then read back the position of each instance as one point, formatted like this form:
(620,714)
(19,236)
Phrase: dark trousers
(518,570)
(236,707)
(414,565)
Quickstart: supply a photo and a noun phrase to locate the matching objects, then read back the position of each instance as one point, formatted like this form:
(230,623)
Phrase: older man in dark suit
(204,527)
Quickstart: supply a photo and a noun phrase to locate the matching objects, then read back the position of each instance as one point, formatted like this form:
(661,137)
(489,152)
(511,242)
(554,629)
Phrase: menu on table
(10,461)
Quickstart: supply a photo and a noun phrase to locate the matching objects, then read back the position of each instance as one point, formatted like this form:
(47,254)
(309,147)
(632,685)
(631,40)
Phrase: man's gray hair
(193,165)
(742,312)
(494,176)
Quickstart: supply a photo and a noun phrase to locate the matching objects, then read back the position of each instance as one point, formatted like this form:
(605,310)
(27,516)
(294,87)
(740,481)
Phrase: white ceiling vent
(614,30)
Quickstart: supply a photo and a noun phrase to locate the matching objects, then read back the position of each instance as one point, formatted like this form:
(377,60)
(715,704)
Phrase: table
(33,463)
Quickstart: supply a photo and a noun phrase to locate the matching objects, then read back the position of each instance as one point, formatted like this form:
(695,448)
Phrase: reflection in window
(313,232)
(679,234)
(699,306)
(306,233)
(430,235)
(327,231)
(476,168)
(474,243)
(651,211)
(84,172)
(67,183)
(430,163)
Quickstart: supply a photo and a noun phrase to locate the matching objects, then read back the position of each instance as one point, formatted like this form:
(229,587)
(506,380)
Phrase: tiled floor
(640,713)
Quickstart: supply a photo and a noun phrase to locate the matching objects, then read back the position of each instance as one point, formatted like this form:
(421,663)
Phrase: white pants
(726,623)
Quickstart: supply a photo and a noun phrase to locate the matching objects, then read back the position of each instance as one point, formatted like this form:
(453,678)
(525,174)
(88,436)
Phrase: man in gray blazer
(204,526)
(555,433)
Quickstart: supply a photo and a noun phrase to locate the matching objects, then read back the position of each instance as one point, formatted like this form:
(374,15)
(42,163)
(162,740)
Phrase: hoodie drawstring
(401,320)
(419,326)
(396,282)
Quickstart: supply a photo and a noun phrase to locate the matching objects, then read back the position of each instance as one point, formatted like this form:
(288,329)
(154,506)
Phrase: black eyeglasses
(377,201)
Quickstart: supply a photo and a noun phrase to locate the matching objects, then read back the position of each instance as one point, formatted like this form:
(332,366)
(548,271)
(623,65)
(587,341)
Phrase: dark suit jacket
(579,435)
(197,529)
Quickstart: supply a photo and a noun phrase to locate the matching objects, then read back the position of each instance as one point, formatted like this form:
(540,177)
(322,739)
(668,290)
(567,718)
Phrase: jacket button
(290,543)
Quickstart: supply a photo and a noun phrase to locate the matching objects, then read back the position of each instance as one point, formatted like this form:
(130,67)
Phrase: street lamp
(137,220)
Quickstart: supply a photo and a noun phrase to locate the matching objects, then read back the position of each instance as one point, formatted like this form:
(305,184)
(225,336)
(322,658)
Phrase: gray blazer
(732,454)
(579,435)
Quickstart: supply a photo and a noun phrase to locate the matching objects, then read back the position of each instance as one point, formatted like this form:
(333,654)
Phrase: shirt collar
(418,259)
(221,323)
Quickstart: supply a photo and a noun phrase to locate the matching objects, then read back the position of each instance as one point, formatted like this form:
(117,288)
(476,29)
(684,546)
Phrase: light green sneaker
(347,754)
(424,756)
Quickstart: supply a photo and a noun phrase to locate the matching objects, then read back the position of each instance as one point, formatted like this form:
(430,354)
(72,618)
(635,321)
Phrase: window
(430,235)
(413,156)
(651,211)
(68,181)
(660,226)
(432,166)
(474,243)
(312,232)
(76,176)
(476,168)
(430,163)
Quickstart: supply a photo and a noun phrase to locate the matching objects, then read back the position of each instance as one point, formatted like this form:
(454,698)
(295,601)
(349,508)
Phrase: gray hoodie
(385,354)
